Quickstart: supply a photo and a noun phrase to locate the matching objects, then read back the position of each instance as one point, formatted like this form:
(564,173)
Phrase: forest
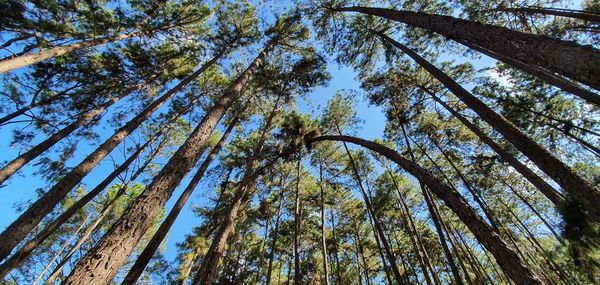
(300,142)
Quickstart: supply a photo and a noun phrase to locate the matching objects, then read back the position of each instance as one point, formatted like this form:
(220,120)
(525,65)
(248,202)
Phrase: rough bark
(24,252)
(505,256)
(35,57)
(14,233)
(565,58)
(581,189)
(143,258)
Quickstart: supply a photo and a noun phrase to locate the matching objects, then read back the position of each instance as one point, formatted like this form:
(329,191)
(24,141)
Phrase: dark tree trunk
(142,260)
(14,233)
(565,58)
(568,13)
(31,58)
(581,189)
(505,256)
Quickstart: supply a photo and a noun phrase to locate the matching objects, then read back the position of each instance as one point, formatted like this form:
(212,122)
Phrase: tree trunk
(541,73)
(323,238)
(297,213)
(10,168)
(35,57)
(113,249)
(566,58)
(362,256)
(22,254)
(142,260)
(533,178)
(335,249)
(36,212)
(182,279)
(581,189)
(505,256)
(275,235)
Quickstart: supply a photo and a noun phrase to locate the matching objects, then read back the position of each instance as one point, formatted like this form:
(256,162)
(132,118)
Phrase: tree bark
(566,58)
(142,260)
(505,256)
(323,238)
(34,214)
(581,189)
(22,254)
(35,57)
(297,213)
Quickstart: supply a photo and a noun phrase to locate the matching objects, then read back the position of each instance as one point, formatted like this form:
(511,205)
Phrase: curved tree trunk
(35,57)
(565,58)
(581,189)
(22,254)
(36,212)
(505,256)
(111,252)
(142,260)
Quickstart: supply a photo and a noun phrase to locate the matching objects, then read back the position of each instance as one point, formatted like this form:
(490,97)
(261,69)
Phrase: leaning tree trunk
(546,189)
(581,189)
(541,73)
(22,254)
(36,212)
(566,58)
(505,256)
(9,169)
(111,252)
(142,260)
(35,57)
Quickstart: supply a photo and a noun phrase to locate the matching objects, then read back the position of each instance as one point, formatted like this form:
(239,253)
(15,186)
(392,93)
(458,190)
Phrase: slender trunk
(335,249)
(142,260)
(33,105)
(114,248)
(362,256)
(505,256)
(182,279)
(568,13)
(275,234)
(323,238)
(35,57)
(533,178)
(10,168)
(36,212)
(297,213)
(390,254)
(62,248)
(24,252)
(541,73)
(386,269)
(566,58)
(581,189)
